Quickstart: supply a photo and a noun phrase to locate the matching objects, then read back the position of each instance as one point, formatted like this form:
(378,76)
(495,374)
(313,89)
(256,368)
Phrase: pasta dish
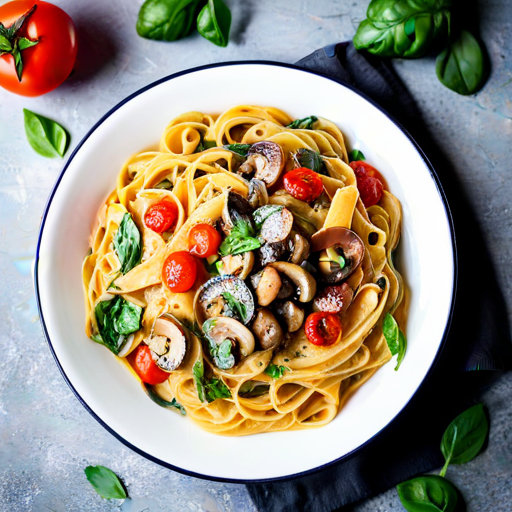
(243,271)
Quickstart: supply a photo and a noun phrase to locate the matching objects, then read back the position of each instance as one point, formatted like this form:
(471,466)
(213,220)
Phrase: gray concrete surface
(46,436)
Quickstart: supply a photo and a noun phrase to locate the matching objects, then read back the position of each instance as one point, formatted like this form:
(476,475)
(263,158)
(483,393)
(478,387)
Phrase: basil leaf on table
(214,22)
(311,160)
(395,339)
(264,212)
(275,371)
(166,20)
(105,482)
(208,390)
(428,493)
(407,29)
(239,149)
(127,244)
(461,66)
(355,156)
(306,123)
(464,437)
(240,240)
(46,137)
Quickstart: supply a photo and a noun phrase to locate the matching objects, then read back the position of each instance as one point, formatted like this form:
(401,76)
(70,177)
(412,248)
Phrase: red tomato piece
(203,240)
(162,216)
(179,271)
(323,328)
(47,64)
(303,184)
(145,366)
(369,182)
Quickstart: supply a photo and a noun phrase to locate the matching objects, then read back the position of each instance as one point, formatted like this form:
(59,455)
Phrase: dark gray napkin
(479,337)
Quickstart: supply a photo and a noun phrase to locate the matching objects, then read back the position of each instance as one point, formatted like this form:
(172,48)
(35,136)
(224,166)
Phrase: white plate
(426,259)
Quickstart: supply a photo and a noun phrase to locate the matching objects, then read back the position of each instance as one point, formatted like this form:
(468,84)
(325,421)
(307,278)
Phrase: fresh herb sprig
(236,306)
(306,123)
(105,482)
(240,240)
(208,390)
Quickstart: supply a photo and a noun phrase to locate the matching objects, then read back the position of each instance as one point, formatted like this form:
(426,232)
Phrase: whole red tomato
(303,183)
(203,240)
(49,62)
(145,367)
(179,271)
(322,328)
(161,216)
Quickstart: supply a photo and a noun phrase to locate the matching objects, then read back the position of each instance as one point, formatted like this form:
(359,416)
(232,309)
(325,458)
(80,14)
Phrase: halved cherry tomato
(179,271)
(203,240)
(303,184)
(162,216)
(323,328)
(369,182)
(146,367)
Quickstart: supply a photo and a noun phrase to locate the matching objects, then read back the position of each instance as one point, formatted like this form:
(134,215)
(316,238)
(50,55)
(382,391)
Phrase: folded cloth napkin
(479,337)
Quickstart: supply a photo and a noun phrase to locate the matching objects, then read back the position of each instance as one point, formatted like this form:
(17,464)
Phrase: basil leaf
(355,155)
(205,144)
(306,123)
(46,137)
(127,244)
(464,437)
(264,212)
(402,349)
(214,22)
(250,389)
(173,404)
(407,29)
(275,371)
(209,390)
(395,339)
(198,371)
(165,184)
(222,355)
(239,149)
(105,482)
(166,20)
(461,66)
(116,319)
(240,240)
(237,307)
(311,159)
(428,493)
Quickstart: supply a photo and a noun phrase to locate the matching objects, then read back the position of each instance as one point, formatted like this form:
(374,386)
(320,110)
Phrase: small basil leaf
(166,20)
(222,355)
(47,137)
(214,22)
(198,371)
(250,389)
(173,404)
(402,348)
(311,160)
(127,244)
(240,240)
(238,308)
(428,493)
(208,390)
(165,184)
(264,212)
(105,482)
(355,155)
(461,66)
(239,149)
(464,437)
(306,123)
(275,371)
(395,339)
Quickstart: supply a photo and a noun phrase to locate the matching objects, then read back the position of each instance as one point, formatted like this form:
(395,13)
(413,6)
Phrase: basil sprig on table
(128,244)
(105,482)
(395,339)
(428,493)
(306,123)
(46,137)
(241,239)
(214,22)
(208,390)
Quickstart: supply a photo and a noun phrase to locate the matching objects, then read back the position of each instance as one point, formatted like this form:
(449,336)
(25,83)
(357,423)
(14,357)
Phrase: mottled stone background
(47,437)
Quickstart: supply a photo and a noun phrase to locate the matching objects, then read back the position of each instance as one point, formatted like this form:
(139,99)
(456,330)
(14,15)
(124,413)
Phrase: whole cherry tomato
(303,184)
(369,182)
(161,216)
(46,43)
(203,240)
(323,328)
(145,366)
(179,271)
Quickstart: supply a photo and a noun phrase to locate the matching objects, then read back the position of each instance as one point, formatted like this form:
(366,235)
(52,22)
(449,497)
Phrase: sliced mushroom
(277,227)
(258,195)
(287,288)
(267,329)
(269,160)
(341,252)
(268,286)
(168,344)
(218,330)
(271,252)
(334,299)
(248,167)
(292,315)
(224,296)
(236,208)
(239,265)
(299,248)
(303,280)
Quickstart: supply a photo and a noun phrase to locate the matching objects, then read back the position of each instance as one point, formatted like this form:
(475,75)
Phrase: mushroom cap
(168,345)
(239,265)
(292,315)
(344,239)
(220,328)
(267,329)
(269,159)
(258,195)
(304,281)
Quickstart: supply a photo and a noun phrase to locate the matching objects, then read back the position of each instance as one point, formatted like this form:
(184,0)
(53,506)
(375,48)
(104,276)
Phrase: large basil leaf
(105,482)
(116,319)
(461,66)
(464,437)
(208,390)
(127,244)
(306,123)
(395,339)
(46,137)
(429,493)
(311,160)
(404,28)
(214,22)
(166,20)
(241,239)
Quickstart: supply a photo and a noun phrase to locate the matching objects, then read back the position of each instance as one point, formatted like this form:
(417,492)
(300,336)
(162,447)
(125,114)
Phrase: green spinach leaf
(355,156)
(464,437)
(311,159)
(306,123)
(428,493)
(239,149)
(214,22)
(461,66)
(275,371)
(127,244)
(166,20)
(264,212)
(241,239)
(116,319)
(395,339)
(105,482)
(208,390)
(46,137)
